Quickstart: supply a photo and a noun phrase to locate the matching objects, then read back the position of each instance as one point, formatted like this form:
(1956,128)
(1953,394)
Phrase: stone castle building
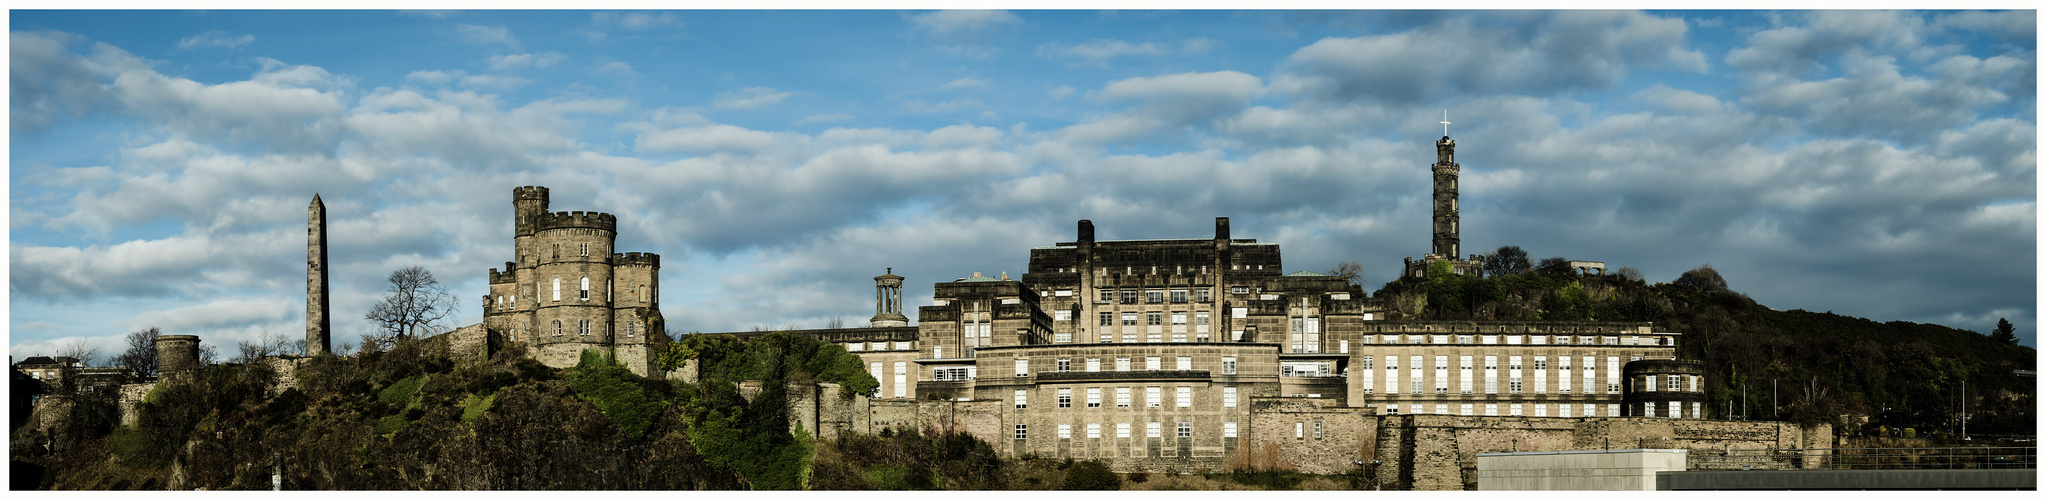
(567,291)
(1185,352)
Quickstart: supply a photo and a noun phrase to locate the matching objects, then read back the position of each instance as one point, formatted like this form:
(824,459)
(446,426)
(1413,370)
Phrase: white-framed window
(1343,347)
(1122,364)
(1185,396)
(557,289)
(1541,410)
(1065,397)
(1200,317)
(1229,365)
(901,379)
(1022,399)
(1591,410)
(1317,428)
(1062,315)
(1022,431)
(585,294)
(1228,397)
(1122,397)
(1153,396)
(1563,410)
(1465,409)
(1613,409)
(938,352)
(1185,363)
(1442,374)
(1650,384)
(1179,318)
(1151,429)
(1491,374)
(1107,319)
(1093,397)
(1647,409)
(557,328)
(1093,430)
(1022,368)
(1299,430)
(1152,363)
(1122,429)
(1185,430)
(1065,364)
(1154,338)
(1228,429)
(1129,319)
(1065,431)
(1491,409)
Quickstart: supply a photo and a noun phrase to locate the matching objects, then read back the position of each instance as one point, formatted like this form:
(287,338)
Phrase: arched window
(557,328)
(557,289)
(586,288)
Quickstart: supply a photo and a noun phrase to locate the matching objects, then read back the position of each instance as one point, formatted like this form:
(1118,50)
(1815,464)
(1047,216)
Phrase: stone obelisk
(317,324)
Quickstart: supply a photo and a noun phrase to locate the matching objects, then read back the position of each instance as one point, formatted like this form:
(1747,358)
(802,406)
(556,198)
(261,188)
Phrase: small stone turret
(528,204)
(177,357)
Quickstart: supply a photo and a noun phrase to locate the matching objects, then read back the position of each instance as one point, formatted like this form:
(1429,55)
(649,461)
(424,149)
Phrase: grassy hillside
(1823,365)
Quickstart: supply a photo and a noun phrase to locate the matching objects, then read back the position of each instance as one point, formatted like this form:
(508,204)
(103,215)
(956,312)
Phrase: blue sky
(1876,164)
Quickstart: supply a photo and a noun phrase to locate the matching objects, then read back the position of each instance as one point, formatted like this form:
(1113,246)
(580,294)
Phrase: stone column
(318,326)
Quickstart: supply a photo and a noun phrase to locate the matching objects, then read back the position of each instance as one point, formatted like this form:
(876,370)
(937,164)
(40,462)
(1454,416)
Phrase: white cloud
(1797,50)
(485,35)
(215,39)
(920,106)
(825,118)
(964,83)
(227,313)
(1541,54)
(634,21)
(519,61)
(946,22)
(433,77)
(1097,52)
(749,98)
(1060,93)
(710,138)
(617,68)
(494,82)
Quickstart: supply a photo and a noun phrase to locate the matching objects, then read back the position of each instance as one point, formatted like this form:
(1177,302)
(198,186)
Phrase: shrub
(401,391)
(1093,475)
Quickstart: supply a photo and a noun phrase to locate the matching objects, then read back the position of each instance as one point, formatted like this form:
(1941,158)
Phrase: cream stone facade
(567,291)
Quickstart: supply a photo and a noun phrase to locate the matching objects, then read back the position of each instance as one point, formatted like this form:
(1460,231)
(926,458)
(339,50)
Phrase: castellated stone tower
(566,291)
(1446,231)
(177,357)
(318,326)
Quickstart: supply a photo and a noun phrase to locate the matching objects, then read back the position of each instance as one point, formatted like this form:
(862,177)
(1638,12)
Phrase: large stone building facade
(567,291)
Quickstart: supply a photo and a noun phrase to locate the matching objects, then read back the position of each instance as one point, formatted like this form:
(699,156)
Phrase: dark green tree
(1704,278)
(2004,332)
(1507,261)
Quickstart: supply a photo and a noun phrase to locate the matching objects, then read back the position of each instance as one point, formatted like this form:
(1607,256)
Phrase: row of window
(1131,338)
(1466,378)
(878,346)
(1122,364)
(1183,430)
(583,293)
(1155,296)
(1152,397)
(1676,383)
(1151,318)
(1512,410)
(1674,409)
(1443,339)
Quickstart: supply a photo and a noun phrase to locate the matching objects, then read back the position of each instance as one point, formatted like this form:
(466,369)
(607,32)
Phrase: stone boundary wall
(131,401)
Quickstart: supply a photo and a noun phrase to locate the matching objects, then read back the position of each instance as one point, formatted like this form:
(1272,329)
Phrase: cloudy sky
(1876,164)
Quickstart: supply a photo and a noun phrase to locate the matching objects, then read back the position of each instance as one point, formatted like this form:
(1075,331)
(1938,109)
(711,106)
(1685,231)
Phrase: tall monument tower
(888,301)
(317,324)
(1445,170)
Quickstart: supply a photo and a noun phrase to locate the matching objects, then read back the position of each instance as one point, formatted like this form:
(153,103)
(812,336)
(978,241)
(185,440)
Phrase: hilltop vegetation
(1824,365)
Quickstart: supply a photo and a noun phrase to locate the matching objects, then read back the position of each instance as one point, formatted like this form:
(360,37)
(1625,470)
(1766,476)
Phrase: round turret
(177,356)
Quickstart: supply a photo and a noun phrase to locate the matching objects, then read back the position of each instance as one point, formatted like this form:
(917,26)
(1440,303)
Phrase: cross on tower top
(1445,123)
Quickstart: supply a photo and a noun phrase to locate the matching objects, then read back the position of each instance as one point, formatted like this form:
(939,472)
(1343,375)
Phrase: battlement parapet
(506,276)
(648,259)
(577,220)
(530,193)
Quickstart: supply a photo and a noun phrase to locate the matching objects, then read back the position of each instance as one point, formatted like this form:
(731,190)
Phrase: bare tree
(84,352)
(1351,271)
(835,323)
(208,354)
(265,346)
(141,354)
(413,305)
(1631,274)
